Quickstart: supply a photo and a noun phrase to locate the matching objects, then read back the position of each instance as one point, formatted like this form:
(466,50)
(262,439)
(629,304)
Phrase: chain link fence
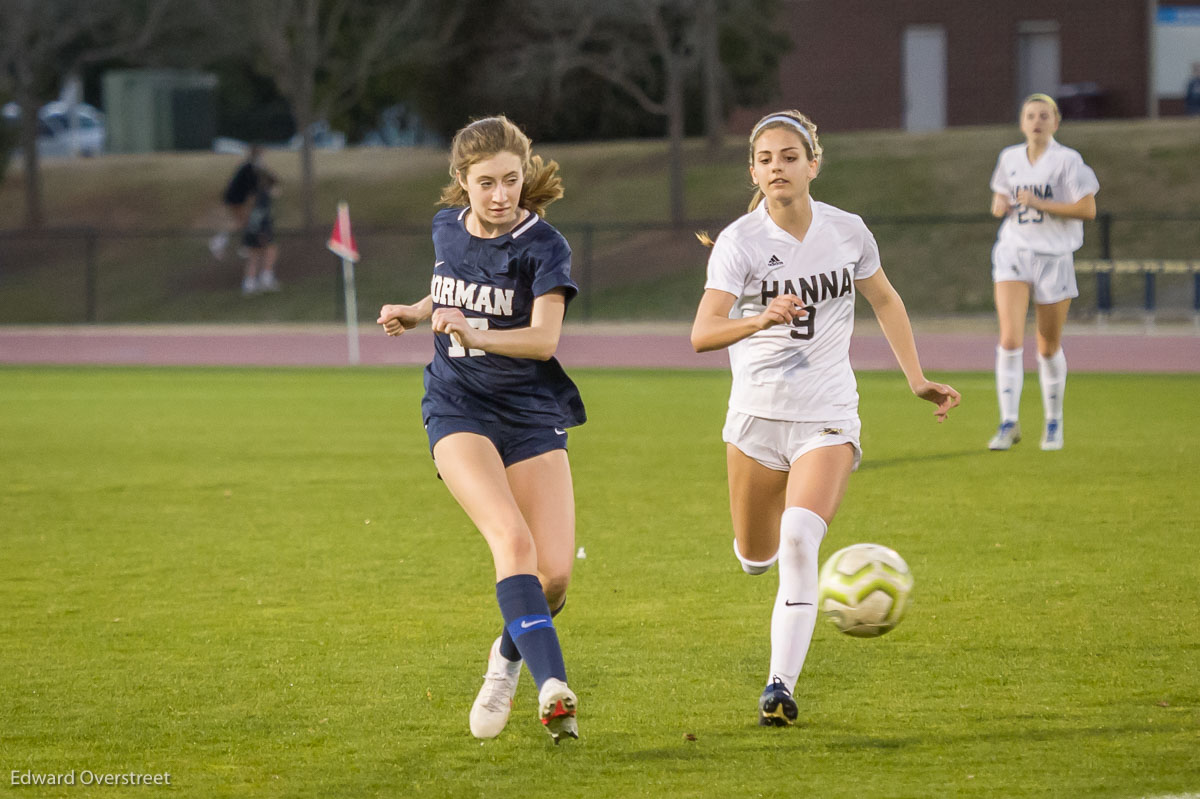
(626,271)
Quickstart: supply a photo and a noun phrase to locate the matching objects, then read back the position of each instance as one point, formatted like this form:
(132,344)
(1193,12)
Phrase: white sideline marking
(1175,796)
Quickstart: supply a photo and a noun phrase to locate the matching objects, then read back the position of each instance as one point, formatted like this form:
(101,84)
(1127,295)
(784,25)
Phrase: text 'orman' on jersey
(473,297)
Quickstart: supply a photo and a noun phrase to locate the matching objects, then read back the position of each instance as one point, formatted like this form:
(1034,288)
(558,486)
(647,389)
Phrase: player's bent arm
(398,318)
(539,341)
(1084,208)
(714,330)
(1000,205)
(893,320)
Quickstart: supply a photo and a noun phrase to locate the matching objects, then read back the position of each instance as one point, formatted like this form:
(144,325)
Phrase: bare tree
(43,41)
(623,60)
(23,53)
(712,72)
(322,54)
(653,51)
(646,48)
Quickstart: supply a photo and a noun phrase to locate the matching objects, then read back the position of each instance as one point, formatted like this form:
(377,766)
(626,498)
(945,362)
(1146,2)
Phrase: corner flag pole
(341,243)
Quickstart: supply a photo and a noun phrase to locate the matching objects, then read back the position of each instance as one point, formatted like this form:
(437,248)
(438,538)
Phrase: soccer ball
(864,590)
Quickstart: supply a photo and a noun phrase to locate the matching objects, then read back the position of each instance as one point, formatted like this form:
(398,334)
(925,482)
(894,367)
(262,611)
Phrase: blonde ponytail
(542,185)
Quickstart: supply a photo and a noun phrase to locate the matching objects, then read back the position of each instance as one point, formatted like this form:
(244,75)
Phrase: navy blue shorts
(515,444)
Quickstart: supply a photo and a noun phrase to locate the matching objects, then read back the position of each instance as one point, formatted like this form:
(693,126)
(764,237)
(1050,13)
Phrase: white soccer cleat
(556,705)
(493,704)
(1007,434)
(1052,435)
(268,282)
(249,287)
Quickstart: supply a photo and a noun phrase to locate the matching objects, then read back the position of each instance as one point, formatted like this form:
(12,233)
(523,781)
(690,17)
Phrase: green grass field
(252,580)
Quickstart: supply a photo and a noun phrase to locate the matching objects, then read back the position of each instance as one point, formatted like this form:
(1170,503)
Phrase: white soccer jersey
(799,372)
(1059,175)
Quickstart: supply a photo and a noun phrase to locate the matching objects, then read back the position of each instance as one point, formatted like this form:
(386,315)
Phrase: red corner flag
(341,241)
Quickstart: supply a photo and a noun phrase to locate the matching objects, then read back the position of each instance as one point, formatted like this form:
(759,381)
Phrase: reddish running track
(969,349)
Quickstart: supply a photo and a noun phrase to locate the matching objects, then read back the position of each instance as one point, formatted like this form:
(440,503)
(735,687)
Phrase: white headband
(812,148)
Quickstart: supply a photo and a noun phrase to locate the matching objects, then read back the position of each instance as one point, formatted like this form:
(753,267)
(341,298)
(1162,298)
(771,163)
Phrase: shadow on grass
(1083,731)
(752,740)
(884,463)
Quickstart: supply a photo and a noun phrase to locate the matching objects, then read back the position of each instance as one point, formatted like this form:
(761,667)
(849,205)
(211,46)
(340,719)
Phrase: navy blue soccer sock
(508,649)
(527,621)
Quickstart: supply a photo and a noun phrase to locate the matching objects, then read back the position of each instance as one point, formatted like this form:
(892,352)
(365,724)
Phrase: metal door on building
(924,77)
(1038,60)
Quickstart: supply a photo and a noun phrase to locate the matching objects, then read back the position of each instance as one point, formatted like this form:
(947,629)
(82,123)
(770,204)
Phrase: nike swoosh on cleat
(793,604)
(525,625)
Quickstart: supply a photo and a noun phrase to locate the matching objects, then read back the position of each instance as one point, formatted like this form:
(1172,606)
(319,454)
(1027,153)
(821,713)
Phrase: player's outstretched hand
(397,318)
(941,395)
(782,310)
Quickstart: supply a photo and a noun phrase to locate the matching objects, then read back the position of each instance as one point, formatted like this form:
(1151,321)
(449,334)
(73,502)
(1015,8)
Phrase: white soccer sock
(754,566)
(795,614)
(1010,378)
(1052,373)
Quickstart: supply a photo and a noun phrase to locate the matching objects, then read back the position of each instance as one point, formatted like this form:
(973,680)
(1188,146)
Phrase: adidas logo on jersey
(774,261)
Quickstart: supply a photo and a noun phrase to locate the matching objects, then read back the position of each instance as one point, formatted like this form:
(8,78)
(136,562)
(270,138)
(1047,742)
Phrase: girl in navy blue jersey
(497,404)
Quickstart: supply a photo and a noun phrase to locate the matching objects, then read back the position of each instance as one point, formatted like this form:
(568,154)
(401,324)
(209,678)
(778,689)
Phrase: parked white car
(58,134)
(324,137)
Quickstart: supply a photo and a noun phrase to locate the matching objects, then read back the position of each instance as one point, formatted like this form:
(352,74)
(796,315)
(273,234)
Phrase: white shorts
(1052,277)
(777,444)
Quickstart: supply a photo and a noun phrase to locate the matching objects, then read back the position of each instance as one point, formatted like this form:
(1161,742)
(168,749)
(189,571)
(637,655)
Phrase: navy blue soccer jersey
(494,283)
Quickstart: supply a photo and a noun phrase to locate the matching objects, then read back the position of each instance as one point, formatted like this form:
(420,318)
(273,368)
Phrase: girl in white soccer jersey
(780,295)
(497,404)
(1043,192)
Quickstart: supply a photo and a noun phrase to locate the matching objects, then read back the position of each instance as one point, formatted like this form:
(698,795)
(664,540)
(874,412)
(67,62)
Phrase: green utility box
(159,109)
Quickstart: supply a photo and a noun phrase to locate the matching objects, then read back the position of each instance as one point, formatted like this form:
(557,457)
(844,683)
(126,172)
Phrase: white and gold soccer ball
(864,590)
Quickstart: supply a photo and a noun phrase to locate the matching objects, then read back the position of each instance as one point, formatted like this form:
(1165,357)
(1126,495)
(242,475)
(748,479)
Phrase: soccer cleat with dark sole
(776,707)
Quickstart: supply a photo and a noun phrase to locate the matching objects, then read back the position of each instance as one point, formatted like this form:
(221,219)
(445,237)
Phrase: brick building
(927,64)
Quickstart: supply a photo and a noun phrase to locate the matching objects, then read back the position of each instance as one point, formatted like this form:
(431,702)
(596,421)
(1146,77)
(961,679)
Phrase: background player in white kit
(780,295)
(1043,191)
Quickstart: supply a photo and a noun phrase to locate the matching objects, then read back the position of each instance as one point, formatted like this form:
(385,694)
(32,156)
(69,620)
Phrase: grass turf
(252,580)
